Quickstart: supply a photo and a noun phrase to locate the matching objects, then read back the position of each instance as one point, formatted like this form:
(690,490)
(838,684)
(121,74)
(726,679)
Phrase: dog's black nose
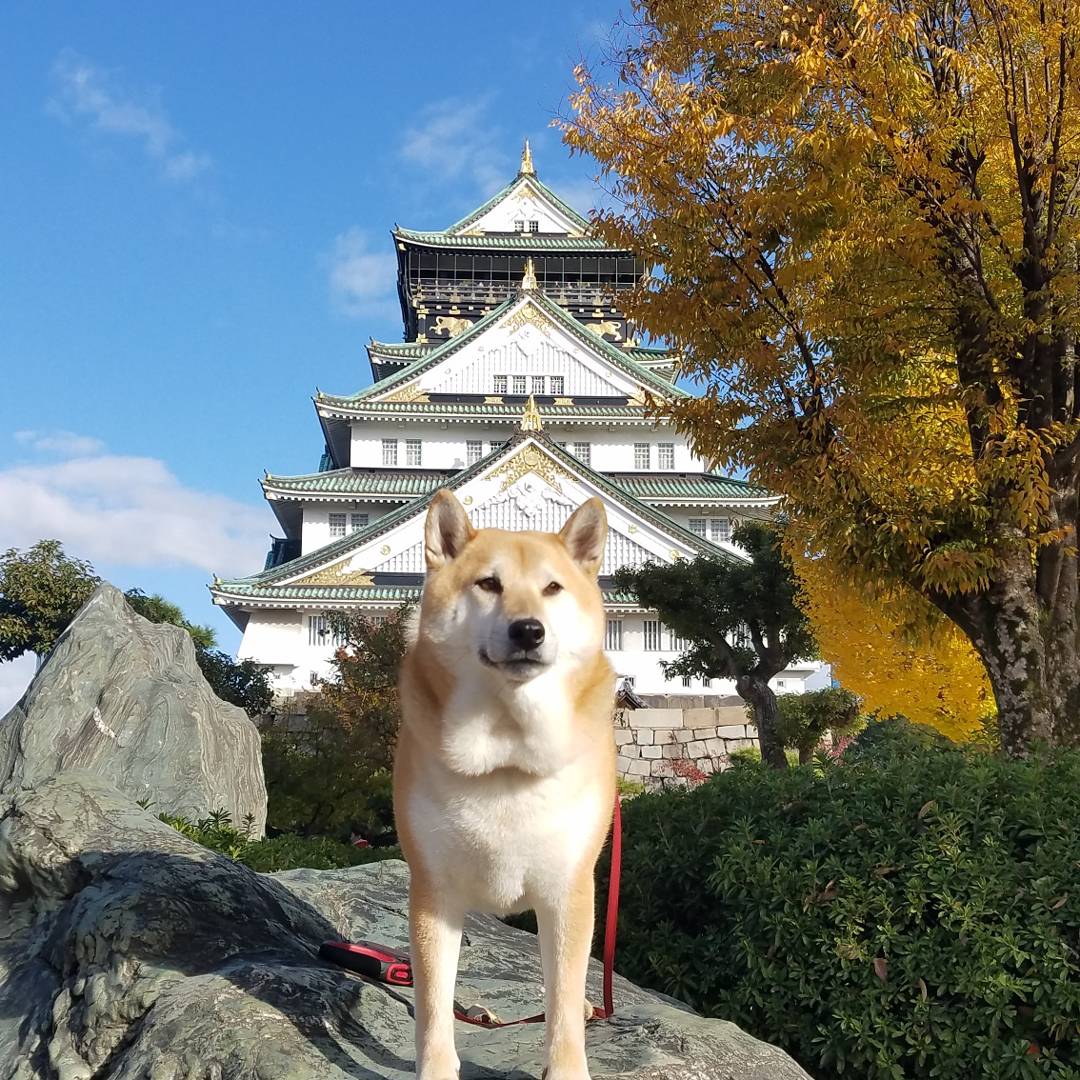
(526,633)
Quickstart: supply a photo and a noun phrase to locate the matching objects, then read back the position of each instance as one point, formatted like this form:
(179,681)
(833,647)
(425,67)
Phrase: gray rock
(124,698)
(127,952)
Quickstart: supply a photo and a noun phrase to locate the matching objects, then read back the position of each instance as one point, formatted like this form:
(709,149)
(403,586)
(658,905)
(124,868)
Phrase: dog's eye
(551,588)
(490,584)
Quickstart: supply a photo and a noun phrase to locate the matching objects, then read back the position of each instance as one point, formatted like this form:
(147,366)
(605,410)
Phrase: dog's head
(515,604)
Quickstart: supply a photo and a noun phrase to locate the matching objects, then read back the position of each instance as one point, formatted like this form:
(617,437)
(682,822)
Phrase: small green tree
(805,718)
(740,618)
(157,609)
(330,774)
(41,589)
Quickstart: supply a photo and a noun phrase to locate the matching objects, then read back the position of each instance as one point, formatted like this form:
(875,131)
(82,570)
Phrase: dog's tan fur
(504,778)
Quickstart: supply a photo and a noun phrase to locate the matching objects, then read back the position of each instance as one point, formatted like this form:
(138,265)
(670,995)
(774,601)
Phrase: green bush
(891,737)
(906,916)
(286,852)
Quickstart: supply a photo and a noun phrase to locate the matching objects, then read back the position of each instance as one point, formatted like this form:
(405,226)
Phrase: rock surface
(127,951)
(124,698)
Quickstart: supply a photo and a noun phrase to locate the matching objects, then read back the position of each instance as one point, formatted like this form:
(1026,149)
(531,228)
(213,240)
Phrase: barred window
(412,452)
(538,383)
(474,451)
(652,635)
(583,452)
(519,384)
(389,451)
(519,226)
(686,680)
(613,636)
(642,455)
(665,455)
(358,522)
(697,526)
(558,384)
(337,525)
(534,226)
(320,633)
(719,529)
(675,642)
(500,384)
(495,444)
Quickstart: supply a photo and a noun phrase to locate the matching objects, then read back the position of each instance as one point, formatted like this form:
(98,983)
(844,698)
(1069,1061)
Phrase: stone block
(696,749)
(673,750)
(733,731)
(645,737)
(706,765)
(699,718)
(716,747)
(652,751)
(639,768)
(623,736)
(657,718)
(662,736)
(622,764)
(704,732)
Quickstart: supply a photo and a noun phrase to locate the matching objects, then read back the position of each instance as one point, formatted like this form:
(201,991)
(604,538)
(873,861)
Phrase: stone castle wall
(655,746)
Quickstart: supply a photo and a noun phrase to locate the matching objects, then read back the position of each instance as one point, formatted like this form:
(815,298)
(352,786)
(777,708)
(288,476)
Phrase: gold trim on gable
(531,459)
(337,575)
(409,393)
(528,315)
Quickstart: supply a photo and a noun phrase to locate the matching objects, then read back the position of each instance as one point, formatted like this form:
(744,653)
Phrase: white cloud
(65,443)
(15,676)
(361,280)
(89,92)
(128,510)
(455,140)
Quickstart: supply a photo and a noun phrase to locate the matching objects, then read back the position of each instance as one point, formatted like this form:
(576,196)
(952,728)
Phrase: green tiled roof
(375,594)
(521,180)
(478,408)
(417,482)
(687,486)
(613,353)
(340,547)
(405,349)
(523,241)
(361,481)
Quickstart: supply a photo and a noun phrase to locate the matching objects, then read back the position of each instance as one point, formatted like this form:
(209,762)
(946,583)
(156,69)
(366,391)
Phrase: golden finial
(530,416)
(528,281)
(527,168)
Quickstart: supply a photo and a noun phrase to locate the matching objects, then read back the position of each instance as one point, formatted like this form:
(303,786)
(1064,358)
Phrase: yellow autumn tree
(866,216)
(928,673)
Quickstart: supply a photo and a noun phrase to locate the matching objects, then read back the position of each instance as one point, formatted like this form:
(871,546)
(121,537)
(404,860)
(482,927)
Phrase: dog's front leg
(435,934)
(566,926)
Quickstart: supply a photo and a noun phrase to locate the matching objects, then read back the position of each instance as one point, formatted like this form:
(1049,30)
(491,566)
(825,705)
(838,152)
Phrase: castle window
(500,384)
(358,522)
(697,526)
(538,382)
(474,451)
(534,226)
(642,455)
(675,643)
(412,452)
(613,635)
(686,680)
(558,383)
(337,524)
(519,384)
(583,452)
(389,451)
(665,455)
(652,635)
(719,529)
(519,226)
(319,632)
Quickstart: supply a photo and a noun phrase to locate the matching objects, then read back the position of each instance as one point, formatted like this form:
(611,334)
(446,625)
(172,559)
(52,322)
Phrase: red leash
(391,966)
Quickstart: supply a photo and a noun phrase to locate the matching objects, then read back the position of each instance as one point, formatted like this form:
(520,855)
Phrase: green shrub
(286,852)
(890,737)
(906,916)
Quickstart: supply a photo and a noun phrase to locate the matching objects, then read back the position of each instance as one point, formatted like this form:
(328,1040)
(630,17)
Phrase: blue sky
(194,212)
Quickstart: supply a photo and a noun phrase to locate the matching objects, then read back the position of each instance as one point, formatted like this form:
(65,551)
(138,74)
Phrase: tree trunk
(755,691)
(1024,627)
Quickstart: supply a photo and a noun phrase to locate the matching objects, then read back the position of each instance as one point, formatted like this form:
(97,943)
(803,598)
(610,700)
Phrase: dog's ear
(446,531)
(584,535)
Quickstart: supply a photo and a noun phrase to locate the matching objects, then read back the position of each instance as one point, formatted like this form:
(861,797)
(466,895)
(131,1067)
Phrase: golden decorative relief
(450,324)
(531,459)
(638,398)
(564,401)
(526,168)
(336,575)
(530,416)
(675,555)
(608,326)
(528,280)
(412,392)
(467,501)
(633,529)
(384,550)
(528,314)
(493,399)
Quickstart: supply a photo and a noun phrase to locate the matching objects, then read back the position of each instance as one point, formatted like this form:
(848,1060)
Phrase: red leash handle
(391,966)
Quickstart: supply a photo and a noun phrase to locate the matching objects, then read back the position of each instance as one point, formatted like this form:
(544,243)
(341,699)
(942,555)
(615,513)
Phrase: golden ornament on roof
(527,168)
(528,282)
(530,417)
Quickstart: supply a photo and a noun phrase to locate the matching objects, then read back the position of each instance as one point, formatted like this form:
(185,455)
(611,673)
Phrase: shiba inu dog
(504,779)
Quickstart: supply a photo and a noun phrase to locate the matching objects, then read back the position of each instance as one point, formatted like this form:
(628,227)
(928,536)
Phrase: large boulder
(127,951)
(124,698)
